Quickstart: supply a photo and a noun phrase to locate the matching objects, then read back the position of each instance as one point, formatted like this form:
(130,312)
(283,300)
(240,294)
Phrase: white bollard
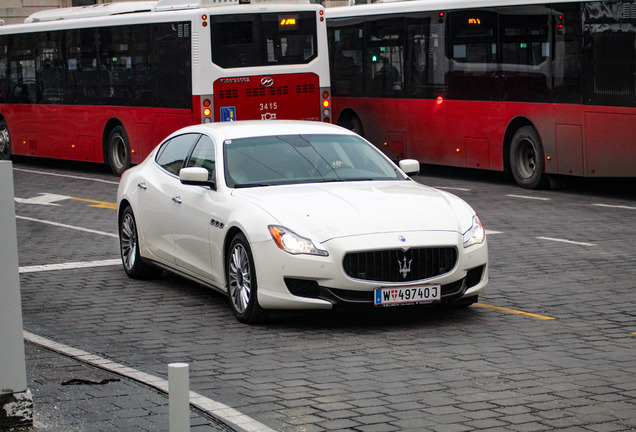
(179,396)
(16,402)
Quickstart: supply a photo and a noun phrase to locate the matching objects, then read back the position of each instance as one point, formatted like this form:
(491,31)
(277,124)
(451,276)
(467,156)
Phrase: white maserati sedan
(297,215)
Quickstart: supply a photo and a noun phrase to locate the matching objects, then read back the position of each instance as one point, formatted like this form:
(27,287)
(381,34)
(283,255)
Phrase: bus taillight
(206,112)
(326,104)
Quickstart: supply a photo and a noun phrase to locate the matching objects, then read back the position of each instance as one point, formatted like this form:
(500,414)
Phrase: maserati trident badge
(405,267)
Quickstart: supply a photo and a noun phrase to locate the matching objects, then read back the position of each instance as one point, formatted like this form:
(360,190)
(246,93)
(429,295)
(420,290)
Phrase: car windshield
(289,159)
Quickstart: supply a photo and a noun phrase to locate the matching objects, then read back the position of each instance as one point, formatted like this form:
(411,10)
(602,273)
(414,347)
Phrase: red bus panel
(267,97)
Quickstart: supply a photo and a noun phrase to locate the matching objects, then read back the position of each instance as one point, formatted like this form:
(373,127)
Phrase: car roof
(255,128)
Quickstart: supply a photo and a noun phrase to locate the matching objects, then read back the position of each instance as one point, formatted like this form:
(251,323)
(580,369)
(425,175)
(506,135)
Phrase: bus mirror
(410,166)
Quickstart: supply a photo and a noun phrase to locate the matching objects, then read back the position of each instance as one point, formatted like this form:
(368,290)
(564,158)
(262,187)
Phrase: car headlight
(476,234)
(294,244)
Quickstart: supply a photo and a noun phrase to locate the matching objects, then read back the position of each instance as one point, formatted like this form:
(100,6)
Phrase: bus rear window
(263,39)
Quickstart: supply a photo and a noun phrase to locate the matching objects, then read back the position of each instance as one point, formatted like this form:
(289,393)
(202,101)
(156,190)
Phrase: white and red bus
(105,83)
(530,87)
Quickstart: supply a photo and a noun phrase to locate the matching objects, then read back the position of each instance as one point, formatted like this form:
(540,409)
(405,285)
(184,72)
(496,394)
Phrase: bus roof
(389,7)
(99,10)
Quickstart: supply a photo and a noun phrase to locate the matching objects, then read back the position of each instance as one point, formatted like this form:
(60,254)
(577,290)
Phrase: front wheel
(129,248)
(118,150)
(5,141)
(241,282)
(527,161)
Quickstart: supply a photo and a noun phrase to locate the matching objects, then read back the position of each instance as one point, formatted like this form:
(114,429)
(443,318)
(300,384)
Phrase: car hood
(324,211)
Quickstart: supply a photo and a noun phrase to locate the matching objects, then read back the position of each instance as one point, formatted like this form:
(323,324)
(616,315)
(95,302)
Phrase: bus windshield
(249,40)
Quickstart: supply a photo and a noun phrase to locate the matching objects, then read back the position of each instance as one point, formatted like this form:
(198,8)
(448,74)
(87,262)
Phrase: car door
(195,215)
(156,205)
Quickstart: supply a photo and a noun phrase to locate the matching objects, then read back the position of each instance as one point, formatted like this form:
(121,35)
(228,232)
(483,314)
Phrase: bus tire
(118,150)
(351,122)
(5,141)
(527,161)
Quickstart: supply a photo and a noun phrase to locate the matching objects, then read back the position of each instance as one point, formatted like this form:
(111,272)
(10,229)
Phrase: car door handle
(177,199)
(142,185)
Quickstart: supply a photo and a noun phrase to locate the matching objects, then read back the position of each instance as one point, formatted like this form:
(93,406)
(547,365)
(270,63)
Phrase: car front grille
(397,265)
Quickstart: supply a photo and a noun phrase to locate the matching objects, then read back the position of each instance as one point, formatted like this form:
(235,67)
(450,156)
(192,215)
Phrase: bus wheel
(526,158)
(5,142)
(118,151)
(353,123)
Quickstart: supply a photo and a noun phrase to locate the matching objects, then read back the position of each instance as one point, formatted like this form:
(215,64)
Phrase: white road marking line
(566,241)
(43,199)
(69,266)
(216,409)
(529,197)
(615,206)
(453,188)
(67,176)
(489,232)
(67,226)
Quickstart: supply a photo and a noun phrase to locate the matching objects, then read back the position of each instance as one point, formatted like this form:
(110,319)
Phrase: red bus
(105,83)
(532,88)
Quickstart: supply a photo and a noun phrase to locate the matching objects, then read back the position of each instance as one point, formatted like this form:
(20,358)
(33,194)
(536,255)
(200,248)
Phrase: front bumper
(288,281)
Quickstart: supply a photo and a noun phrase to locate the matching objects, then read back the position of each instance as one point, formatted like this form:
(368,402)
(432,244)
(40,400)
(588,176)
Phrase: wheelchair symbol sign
(228,113)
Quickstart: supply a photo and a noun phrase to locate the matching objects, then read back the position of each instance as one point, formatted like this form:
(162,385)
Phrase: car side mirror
(410,166)
(196,176)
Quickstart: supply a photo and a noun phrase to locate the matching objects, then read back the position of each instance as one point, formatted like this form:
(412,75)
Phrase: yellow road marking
(512,311)
(98,204)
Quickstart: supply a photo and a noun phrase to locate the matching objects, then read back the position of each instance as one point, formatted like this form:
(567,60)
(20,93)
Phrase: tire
(241,282)
(353,123)
(5,141)
(129,249)
(527,161)
(118,150)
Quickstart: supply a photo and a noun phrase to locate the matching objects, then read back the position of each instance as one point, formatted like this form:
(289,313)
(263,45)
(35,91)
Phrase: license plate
(397,296)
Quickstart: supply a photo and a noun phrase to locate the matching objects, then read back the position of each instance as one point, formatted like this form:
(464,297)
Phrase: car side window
(174,152)
(203,156)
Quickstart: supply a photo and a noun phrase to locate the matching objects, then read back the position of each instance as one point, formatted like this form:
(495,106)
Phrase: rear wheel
(527,161)
(118,150)
(5,141)
(129,248)
(351,122)
(241,282)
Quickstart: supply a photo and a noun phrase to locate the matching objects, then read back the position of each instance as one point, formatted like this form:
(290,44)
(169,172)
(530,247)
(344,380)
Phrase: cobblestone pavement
(561,254)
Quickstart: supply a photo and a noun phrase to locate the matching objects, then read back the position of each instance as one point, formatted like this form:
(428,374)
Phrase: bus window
(419,58)
(346,56)
(525,73)
(385,51)
(473,54)
(3,68)
(263,39)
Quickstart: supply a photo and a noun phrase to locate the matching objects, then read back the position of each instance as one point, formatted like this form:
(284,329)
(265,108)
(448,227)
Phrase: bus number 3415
(269,106)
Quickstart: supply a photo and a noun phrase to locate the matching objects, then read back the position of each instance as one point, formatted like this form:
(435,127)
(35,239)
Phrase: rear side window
(172,153)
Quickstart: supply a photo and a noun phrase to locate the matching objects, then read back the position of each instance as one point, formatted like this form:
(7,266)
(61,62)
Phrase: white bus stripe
(67,226)
(216,409)
(69,266)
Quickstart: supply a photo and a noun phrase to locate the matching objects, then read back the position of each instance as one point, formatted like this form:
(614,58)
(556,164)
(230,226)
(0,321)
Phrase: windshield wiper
(249,185)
